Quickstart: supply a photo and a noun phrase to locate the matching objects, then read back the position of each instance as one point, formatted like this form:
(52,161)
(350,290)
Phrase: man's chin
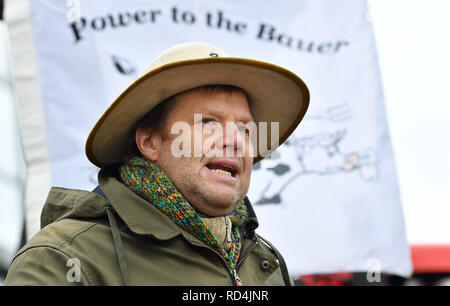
(220,205)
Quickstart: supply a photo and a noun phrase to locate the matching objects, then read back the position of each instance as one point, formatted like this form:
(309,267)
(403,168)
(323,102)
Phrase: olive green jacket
(88,240)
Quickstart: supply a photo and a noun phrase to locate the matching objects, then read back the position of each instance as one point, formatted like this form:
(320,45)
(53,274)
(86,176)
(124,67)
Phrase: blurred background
(413,45)
(12,164)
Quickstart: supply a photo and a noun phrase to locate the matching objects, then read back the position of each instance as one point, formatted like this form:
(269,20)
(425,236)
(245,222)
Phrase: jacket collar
(251,223)
(143,218)
(139,215)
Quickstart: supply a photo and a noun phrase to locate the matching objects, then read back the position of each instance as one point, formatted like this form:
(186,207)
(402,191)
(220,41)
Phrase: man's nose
(233,140)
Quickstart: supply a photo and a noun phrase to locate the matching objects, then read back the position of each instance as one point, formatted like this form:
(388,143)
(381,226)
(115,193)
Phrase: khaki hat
(275,95)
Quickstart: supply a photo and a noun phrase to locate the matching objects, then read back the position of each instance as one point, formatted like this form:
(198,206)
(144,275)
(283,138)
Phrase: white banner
(12,165)
(331,204)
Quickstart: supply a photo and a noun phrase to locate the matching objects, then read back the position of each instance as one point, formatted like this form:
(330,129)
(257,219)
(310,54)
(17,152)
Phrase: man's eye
(206,121)
(243,129)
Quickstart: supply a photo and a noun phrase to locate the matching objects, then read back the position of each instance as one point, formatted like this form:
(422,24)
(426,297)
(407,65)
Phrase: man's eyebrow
(215,112)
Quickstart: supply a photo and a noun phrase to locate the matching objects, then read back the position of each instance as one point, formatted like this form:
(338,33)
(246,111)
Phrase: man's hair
(156,118)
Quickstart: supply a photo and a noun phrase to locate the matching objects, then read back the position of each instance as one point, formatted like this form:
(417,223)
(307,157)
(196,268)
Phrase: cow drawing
(318,154)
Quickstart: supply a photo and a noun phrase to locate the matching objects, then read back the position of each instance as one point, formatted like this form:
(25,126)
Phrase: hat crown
(183,52)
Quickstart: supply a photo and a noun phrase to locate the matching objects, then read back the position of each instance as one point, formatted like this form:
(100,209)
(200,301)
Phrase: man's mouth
(220,171)
(227,168)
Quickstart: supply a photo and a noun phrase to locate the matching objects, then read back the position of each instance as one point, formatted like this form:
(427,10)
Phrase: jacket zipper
(233,273)
(237,279)
(248,251)
(234,276)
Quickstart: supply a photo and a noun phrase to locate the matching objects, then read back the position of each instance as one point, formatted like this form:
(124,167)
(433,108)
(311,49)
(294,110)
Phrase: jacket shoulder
(42,265)
(64,203)
(52,252)
(62,233)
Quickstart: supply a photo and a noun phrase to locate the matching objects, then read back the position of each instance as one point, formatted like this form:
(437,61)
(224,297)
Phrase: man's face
(217,177)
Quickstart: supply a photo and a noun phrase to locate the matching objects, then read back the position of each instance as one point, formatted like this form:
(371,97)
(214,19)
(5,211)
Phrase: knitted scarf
(150,182)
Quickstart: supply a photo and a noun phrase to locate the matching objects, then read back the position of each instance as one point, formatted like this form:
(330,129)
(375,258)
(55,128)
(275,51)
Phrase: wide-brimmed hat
(275,94)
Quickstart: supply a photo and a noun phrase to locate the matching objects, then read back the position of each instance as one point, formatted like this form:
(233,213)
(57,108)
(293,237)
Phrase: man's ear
(148,141)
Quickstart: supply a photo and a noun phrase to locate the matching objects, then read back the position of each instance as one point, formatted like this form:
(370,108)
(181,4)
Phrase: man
(176,151)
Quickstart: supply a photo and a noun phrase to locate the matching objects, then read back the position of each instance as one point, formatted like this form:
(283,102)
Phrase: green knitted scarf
(150,182)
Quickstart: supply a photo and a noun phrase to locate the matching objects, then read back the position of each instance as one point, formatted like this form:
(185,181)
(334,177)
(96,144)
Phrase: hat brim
(275,95)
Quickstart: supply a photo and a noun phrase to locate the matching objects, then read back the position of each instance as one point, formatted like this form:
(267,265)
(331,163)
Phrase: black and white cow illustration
(318,154)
